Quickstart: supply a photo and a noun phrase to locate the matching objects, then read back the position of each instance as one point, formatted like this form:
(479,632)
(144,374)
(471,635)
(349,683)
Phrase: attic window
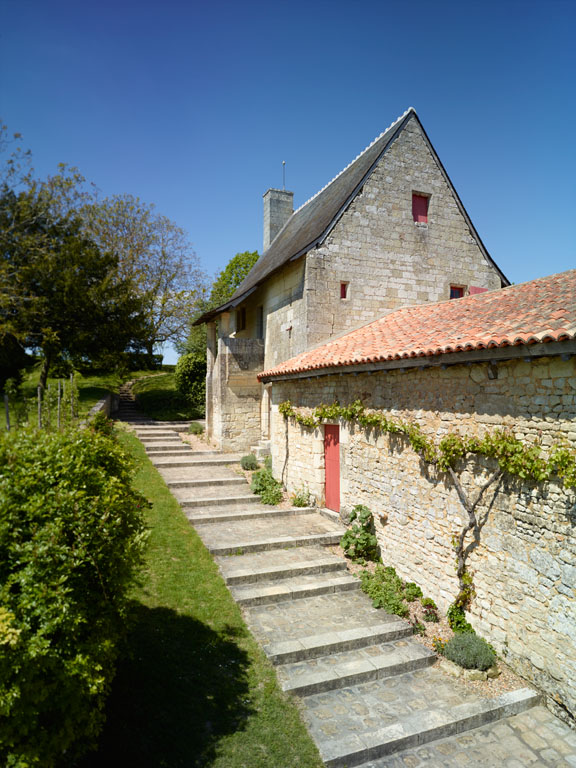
(344,290)
(241,319)
(456,291)
(420,208)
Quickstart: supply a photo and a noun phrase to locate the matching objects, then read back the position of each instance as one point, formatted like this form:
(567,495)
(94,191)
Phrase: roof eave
(495,354)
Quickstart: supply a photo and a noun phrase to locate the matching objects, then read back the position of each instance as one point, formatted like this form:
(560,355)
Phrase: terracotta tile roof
(542,310)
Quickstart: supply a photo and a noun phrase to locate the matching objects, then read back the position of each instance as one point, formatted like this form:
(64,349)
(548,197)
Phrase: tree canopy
(155,255)
(59,294)
(228,280)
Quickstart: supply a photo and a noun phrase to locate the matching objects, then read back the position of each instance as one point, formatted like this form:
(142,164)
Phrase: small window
(456,291)
(241,319)
(420,208)
(344,290)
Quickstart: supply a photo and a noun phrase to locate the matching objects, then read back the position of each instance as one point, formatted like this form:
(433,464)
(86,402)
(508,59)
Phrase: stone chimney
(278,207)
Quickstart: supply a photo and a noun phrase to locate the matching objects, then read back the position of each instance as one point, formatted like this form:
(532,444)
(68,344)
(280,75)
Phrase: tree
(232,275)
(154,254)
(58,293)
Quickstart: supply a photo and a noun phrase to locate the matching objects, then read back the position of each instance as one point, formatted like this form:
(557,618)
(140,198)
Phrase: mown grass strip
(196,689)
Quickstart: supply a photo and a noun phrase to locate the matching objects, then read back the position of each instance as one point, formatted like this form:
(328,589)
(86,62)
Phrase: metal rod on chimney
(283,174)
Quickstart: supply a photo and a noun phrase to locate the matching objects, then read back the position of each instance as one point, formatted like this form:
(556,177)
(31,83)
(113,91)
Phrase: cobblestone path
(370,694)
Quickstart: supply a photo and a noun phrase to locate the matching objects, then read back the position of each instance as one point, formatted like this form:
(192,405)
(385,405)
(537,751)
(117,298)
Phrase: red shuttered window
(420,208)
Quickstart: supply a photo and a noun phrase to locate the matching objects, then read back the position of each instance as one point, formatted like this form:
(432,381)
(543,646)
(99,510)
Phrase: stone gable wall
(389,260)
(525,566)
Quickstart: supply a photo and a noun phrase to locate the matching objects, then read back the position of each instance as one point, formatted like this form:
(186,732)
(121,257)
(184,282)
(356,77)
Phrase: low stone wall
(108,405)
(525,564)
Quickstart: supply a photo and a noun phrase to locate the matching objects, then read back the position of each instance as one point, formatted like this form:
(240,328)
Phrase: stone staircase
(370,693)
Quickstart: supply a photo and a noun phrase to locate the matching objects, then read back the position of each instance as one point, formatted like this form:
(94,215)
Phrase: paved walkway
(369,692)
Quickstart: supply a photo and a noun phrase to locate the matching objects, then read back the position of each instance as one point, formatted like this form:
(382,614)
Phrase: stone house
(500,359)
(388,231)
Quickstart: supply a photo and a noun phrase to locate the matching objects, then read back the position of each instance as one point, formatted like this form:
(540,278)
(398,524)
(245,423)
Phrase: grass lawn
(158,398)
(195,690)
(91,387)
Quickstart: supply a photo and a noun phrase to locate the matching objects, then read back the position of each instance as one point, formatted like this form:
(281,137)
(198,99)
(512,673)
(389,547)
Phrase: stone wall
(525,565)
(389,260)
(235,393)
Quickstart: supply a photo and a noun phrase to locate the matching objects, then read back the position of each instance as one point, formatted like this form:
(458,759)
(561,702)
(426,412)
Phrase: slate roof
(542,310)
(312,222)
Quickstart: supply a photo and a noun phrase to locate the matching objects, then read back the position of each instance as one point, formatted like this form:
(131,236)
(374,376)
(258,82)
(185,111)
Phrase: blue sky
(194,106)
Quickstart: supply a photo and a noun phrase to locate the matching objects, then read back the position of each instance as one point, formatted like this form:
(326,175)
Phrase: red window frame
(420,208)
(456,292)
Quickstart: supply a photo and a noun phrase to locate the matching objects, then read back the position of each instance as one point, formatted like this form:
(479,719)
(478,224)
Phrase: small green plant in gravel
(266,486)
(196,429)
(386,589)
(359,542)
(411,591)
(249,462)
(470,652)
(430,610)
(302,498)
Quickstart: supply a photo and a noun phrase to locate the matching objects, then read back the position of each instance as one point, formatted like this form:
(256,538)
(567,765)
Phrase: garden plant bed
(507,680)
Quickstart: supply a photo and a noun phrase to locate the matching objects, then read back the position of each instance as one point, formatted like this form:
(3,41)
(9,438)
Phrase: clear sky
(194,106)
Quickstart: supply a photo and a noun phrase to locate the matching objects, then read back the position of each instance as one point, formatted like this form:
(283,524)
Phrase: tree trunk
(44,371)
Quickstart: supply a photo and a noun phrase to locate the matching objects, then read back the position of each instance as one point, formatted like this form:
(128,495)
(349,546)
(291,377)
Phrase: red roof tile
(542,310)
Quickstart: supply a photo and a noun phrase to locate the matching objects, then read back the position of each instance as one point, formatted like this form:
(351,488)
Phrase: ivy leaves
(514,457)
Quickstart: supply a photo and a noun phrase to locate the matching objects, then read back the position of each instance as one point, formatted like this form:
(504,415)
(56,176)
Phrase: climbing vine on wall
(513,457)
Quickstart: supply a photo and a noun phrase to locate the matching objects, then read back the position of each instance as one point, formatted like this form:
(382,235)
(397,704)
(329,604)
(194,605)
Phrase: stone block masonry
(524,566)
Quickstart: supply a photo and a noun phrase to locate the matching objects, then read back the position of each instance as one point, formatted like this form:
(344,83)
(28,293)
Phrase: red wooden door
(332,464)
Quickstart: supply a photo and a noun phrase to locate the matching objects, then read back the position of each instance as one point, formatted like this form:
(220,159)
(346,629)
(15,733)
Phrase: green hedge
(71,539)
(190,378)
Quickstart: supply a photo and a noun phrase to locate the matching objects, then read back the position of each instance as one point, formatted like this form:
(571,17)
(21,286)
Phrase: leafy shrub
(427,602)
(101,424)
(71,539)
(359,542)
(264,484)
(470,652)
(386,589)
(302,498)
(411,591)
(249,462)
(196,429)
(457,620)
(190,378)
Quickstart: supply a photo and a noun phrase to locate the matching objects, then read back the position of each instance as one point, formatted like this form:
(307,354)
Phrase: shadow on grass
(182,689)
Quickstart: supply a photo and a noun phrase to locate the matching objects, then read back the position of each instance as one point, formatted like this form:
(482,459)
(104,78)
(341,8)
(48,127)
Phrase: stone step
(167,444)
(161,434)
(280,564)
(199,472)
(347,746)
(215,482)
(346,668)
(315,646)
(168,449)
(169,462)
(224,514)
(254,535)
(209,493)
(239,500)
(531,738)
(293,588)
